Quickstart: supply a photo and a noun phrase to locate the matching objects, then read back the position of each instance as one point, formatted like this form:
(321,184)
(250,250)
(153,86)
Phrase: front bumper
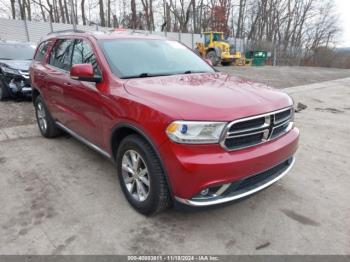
(226,56)
(193,168)
(244,187)
(18,85)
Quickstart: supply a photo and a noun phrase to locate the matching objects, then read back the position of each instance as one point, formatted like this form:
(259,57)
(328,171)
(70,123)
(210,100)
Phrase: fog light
(205,192)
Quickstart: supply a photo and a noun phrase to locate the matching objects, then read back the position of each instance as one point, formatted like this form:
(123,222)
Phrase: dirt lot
(287,76)
(59,197)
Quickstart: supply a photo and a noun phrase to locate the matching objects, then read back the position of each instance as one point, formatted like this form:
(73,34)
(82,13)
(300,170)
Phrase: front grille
(244,141)
(255,130)
(247,124)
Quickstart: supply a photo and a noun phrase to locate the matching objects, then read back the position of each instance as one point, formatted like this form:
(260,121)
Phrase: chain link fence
(30,31)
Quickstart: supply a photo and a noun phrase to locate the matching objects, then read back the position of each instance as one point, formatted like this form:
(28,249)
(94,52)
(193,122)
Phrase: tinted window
(61,54)
(40,54)
(206,39)
(83,54)
(16,51)
(131,58)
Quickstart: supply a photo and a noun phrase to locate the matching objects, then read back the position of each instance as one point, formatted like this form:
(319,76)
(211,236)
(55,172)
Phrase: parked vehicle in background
(176,129)
(15,59)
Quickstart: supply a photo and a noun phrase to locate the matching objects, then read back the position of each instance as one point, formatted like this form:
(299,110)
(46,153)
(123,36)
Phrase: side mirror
(84,72)
(208,62)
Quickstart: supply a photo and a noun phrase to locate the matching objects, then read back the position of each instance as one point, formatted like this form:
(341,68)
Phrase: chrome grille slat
(273,127)
(261,128)
(247,134)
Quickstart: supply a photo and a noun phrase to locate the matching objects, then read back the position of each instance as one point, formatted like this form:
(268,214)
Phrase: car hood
(209,96)
(17,64)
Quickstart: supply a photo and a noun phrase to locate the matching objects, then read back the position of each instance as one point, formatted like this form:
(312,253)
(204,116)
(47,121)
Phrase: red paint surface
(93,109)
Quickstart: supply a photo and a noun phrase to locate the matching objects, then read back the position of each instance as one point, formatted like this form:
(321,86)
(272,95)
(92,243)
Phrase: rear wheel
(213,57)
(46,123)
(141,176)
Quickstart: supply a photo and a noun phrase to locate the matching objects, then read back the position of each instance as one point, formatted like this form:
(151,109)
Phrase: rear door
(57,78)
(83,99)
(37,69)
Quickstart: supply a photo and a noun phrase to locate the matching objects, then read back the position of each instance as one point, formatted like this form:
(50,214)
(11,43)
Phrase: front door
(83,98)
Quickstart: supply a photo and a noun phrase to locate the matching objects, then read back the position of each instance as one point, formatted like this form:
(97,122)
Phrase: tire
(3,91)
(45,122)
(226,63)
(157,197)
(213,57)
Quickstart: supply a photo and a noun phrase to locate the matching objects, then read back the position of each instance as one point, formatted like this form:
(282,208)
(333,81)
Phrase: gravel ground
(286,76)
(16,113)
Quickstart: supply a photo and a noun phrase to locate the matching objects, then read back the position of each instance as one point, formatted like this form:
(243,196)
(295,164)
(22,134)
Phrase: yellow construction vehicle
(215,48)
(239,59)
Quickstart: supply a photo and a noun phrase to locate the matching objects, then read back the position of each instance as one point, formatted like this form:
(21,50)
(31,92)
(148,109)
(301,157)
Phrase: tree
(13,9)
(102,13)
(148,13)
(182,14)
(82,7)
(133,15)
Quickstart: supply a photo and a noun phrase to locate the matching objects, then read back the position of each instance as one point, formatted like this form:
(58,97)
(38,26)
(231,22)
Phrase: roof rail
(141,32)
(66,31)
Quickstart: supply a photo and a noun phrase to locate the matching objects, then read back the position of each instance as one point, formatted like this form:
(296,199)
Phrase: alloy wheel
(135,175)
(40,111)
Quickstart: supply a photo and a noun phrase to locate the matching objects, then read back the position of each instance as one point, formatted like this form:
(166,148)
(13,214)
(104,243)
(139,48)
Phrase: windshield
(217,37)
(16,51)
(130,58)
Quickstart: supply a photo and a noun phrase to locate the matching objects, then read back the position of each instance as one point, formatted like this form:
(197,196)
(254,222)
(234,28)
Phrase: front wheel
(226,63)
(3,91)
(141,176)
(213,58)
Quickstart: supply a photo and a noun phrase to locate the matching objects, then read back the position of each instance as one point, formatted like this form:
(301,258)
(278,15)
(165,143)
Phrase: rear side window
(83,54)
(42,49)
(61,54)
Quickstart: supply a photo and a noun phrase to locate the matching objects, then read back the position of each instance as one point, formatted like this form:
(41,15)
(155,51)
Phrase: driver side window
(83,54)
(61,54)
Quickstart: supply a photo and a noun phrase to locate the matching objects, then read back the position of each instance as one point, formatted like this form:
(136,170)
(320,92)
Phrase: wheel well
(210,49)
(123,131)
(35,94)
(118,135)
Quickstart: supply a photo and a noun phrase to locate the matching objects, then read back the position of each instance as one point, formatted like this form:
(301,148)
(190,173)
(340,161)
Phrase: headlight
(195,132)
(9,70)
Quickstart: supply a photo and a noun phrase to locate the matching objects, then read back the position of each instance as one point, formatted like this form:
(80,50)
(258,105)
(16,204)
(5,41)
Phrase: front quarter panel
(121,108)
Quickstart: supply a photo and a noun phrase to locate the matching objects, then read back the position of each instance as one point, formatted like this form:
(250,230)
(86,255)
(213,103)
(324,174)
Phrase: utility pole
(73,15)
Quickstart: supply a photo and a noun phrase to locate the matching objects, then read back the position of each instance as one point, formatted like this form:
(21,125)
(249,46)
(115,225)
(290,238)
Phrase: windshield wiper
(193,72)
(144,75)
(1,58)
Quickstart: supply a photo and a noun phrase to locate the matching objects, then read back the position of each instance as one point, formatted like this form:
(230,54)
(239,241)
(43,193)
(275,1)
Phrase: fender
(143,134)
(217,51)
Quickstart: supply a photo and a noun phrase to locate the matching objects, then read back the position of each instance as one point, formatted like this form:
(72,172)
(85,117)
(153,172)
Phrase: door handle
(68,84)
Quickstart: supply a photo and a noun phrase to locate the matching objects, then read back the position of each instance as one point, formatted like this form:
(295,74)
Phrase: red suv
(176,129)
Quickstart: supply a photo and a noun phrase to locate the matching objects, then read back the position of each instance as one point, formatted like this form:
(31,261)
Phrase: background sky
(343,7)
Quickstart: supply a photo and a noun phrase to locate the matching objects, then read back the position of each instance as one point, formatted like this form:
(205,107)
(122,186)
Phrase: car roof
(104,35)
